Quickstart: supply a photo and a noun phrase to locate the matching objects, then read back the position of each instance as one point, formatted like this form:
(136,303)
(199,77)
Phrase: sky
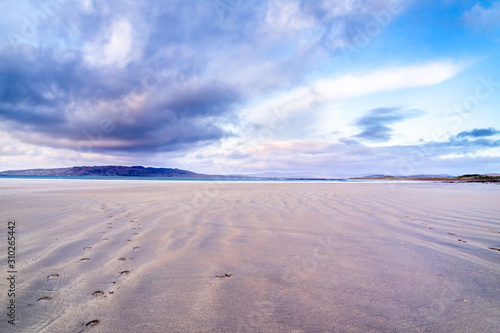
(330,88)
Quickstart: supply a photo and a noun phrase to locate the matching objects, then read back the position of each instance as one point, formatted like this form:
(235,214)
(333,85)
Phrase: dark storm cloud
(35,77)
(56,107)
(375,122)
(58,85)
(160,103)
(29,117)
(176,113)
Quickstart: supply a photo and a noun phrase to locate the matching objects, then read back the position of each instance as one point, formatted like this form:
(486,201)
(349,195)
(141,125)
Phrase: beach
(159,256)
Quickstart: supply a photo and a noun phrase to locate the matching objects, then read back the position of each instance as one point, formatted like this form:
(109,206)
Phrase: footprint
(84,259)
(129,240)
(88,248)
(93,323)
(52,277)
(494,249)
(122,259)
(136,248)
(461,240)
(451,233)
(105,239)
(224,276)
(44,298)
(124,272)
(98,293)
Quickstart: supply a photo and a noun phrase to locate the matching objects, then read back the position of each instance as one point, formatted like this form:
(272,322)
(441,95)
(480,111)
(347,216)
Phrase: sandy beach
(156,256)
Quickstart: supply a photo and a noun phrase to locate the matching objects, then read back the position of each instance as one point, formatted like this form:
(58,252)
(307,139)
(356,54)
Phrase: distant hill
(106,171)
(431,176)
(125,171)
(475,178)
(412,176)
(140,171)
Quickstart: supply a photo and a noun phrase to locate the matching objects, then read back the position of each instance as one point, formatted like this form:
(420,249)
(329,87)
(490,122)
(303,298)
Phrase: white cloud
(481,17)
(285,16)
(113,47)
(386,80)
(87,5)
(326,91)
(336,7)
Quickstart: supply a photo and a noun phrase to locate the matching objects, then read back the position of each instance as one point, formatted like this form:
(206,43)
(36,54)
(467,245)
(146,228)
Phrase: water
(209,179)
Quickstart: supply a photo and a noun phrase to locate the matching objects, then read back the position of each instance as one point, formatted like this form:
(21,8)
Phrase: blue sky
(319,88)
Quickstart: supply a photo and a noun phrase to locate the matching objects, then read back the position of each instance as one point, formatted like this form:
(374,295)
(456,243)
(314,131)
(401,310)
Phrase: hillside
(106,171)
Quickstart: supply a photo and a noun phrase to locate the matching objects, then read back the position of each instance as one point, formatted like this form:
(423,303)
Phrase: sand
(153,256)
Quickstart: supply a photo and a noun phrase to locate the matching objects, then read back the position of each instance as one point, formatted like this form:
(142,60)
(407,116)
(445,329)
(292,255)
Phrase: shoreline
(249,181)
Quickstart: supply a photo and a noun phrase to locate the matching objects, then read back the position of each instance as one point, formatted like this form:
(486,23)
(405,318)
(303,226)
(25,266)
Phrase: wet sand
(152,256)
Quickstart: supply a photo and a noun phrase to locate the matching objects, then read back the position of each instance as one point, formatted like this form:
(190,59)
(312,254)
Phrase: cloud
(237,155)
(286,17)
(355,159)
(478,133)
(375,122)
(324,91)
(145,81)
(344,23)
(387,79)
(56,103)
(159,77)
(482,17)
(96,61)
(113,48)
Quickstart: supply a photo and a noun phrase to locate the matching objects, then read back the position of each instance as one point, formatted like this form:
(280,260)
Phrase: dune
(156,256)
